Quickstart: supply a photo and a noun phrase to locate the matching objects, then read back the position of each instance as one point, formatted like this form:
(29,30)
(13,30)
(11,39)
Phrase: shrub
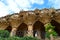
(4,33)
(14,38)
(19,38)
(2,38)
(50,30)
(29,38)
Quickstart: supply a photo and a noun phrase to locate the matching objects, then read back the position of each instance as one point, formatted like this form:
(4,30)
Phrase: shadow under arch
(57,26)
(22,30)
(39,30)
(9,28)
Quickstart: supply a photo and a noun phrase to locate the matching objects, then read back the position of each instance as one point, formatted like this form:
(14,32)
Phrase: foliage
(19,38)
(29,38)
(13,38)
(50,30)
(4,33)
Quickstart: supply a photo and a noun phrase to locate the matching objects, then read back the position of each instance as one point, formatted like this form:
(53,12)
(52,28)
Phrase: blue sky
(14,6)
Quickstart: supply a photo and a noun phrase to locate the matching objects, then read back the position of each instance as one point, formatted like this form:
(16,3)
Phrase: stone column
(30,30)
(51,37)
(25,33)
(39,34)
(13,32)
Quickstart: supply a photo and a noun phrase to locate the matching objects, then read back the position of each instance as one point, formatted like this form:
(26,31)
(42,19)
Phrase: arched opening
(57,26)
(22,30)
(9,28)
(39,30)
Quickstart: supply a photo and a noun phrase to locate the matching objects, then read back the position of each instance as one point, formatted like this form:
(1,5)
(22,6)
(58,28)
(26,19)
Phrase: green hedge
(19,38)
(4,33)
(13,38)
(29,38)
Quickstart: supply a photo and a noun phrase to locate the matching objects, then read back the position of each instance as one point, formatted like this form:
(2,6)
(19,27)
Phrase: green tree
(50,30)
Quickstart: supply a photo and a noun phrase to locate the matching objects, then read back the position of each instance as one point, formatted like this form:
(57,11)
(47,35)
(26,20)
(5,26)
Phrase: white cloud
(17,5)
(12,6)
(23,3)
(27,4)
(55,3)
(3,10)
(37,1)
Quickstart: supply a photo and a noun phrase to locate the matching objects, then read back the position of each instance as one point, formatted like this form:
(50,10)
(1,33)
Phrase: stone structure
(31,23)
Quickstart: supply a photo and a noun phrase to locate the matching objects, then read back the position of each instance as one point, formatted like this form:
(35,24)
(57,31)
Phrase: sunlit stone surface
(31,23)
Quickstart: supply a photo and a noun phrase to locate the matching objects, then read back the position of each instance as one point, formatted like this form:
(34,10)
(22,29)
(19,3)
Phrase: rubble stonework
(29,18)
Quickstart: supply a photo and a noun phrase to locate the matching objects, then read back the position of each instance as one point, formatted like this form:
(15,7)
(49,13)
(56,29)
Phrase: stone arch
(9,28)
(57,26)
(39,30)
(22,30)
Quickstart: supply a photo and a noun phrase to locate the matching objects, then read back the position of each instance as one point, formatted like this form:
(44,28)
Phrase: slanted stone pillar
(30,30)
(13,32)
(39,34)
(25,33)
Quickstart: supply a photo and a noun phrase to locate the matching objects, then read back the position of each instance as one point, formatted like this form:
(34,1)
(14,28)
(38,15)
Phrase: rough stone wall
(30,17)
